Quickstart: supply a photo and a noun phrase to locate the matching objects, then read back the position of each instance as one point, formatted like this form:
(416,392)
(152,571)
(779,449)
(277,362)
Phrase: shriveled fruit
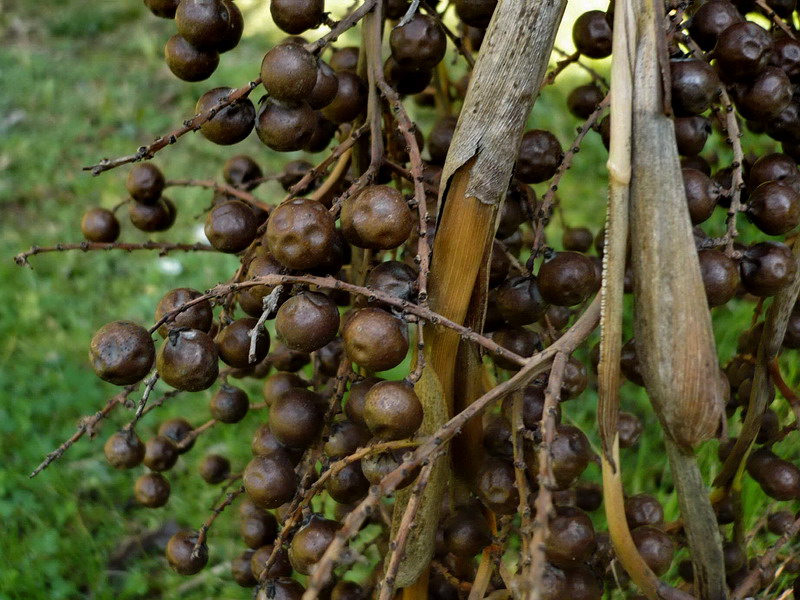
(188,360)
(121,352)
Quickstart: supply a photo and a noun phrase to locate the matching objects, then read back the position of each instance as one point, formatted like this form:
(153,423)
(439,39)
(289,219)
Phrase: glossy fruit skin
(160,454)
(406,80)
(466,533)
(296,418)
(270,480)
(702,194)
(121,352)
(774,207)
(571,454)
(743,50)
(378,218)
(440,137)
(202,23)
(356,399)
(786,56)
(199,316)
(231,226)
(591,34)
(241,170)
(656,548)
(145,183)
(394,278)
(100,225)
(188,360)
(152,490)
(280,568)
(766,268)
(229,404)
(720,276)
(230,39)
(771,167)
(567,279)
(695,85)
(241,571)
(350,99)
(230,125)
(392,410)
(296,16)
(162,8)
(348,485)
(570,539)
(284,126)
(519,340)
(124,450)
(375,340)
(691,134)
(300,234)
(280,382)
(180,550)
(310,542)
(283,588)
(345,438)
(289,72)
(711,19)
(307,322)
(233,343)
(177,430)
(779,478)
(420,43)
(540,155)
(495,485)
(187,62)
(519,301)
(152,217)
(475,13)
(258,529)
(766,96)
(583,99)
(643,509)
(214,468)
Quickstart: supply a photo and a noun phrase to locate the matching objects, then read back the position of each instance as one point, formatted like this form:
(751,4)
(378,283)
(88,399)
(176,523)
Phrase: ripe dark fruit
(348,485)
(376,466)
(354,406)
(643,509)
(283,588)
(420,43)
(786,56)
(629,363)
(440,137)
(570,539)
(571,454)
(233,343)
(772,167)
(241,571)
(100,225)
(575,379)
(779,522)
(152,490)
(765,96)
(278,383)
(466,533)
(774,207)
(394,278)
(325,87)
(188,360)
(720,276)
(310,542)
(300,234)
(307,321)
(711,19)
(270,480)
(160,454)
(241,171)
(177,430)
(375,340)
(345,438)
(702,194)
(152,217)
(289,72)
(231,226)
(258,529)
(350,99)
(582,100)
(124,450)
(779,478)
(691,134)
(495,485)
(475,13)
(280,568)
(392,410)
(188,62)
(229,404)
(344,59)
(695,85)
(296,16)
(519,301)
(121,352)
(180,553)
(296,418)
(378,218)
(230,125)
(198,316)
(145,183)
(162,8)
(539,156)
(577,239)
(230,39)
(656,548)
(406,80)
(766,268)
(591,34)
(284,359)
(519,340)
(285,126)
(532,407)
(214,468)
(567,279)
(202,23)
(743,50)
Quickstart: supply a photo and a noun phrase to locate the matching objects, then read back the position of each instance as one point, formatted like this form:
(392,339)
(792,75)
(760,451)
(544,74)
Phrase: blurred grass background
(82,81)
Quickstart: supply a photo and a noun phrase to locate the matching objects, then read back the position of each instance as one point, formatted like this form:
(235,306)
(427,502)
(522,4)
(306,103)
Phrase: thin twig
(148,389)
(163,248)
(269,304)
(192,435)
(203,531)
(750,583)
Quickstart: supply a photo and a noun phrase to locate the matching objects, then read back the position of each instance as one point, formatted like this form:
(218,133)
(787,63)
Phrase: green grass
(84,81)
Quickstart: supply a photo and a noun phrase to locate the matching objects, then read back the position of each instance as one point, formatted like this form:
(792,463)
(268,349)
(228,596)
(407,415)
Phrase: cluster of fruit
(336,272)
